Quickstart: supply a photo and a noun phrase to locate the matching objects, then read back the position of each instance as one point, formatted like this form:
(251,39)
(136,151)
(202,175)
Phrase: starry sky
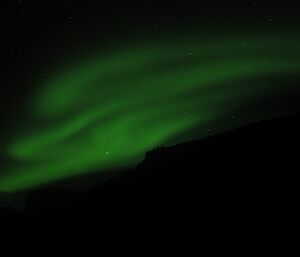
(90,86)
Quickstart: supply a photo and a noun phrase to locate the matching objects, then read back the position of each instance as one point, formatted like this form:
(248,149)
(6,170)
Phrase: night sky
(91,86)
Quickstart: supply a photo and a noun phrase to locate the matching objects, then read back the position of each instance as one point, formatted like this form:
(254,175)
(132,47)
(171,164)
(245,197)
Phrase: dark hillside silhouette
(246,170)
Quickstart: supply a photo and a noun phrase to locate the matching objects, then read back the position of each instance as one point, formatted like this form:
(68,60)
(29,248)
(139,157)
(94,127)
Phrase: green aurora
(105,111)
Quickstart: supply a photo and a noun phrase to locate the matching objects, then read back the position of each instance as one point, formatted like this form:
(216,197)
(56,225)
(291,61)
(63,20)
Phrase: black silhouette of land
(248,169)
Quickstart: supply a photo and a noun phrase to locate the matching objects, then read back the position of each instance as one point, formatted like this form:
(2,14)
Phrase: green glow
(108,110)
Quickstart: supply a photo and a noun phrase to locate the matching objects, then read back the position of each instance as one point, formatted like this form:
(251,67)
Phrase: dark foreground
(248,172)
